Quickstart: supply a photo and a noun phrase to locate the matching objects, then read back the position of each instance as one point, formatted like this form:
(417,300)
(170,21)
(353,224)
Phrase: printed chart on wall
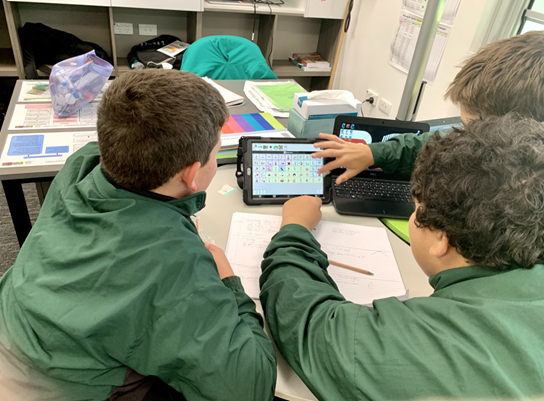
(44,148)
(29,93)
(404,44)
(42,116)
(418,7)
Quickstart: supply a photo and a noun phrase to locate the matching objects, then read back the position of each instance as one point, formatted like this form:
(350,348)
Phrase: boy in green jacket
(113,294)
(478,233)
(505,76)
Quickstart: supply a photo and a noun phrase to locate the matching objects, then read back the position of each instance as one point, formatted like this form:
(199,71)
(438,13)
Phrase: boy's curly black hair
(483,186)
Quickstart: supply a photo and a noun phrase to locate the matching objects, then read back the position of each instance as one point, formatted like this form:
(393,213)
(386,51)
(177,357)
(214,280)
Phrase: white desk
(215,222)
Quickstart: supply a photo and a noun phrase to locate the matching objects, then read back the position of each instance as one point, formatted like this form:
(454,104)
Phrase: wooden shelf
(122,65)
(7,64)
(285,68)
(261,9)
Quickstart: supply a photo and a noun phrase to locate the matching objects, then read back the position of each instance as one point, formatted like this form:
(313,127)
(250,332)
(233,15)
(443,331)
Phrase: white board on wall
(333,9)
(105,3)
(180,5)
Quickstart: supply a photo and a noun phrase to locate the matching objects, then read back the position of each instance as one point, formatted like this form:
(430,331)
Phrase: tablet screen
(283,170)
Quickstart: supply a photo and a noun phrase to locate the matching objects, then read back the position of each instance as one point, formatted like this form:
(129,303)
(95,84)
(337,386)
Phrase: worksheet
(44,148)
(404,44)
(359,246)
(42,116)
(420,6)
(44,96)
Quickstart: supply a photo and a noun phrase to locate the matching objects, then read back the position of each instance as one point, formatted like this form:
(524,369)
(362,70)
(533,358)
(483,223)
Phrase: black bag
(44,46)
(147,54)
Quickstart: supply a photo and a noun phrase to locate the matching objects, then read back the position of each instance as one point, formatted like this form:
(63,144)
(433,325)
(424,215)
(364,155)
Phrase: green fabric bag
(226,57)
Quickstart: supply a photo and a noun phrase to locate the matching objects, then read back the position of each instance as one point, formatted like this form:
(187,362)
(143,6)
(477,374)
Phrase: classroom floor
(9,247)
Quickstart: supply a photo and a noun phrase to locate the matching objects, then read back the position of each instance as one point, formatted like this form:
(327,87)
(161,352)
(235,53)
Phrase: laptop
(444,124)
(372,192)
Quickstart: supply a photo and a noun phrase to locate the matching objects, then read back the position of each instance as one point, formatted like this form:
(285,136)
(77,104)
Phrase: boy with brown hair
(114,295)
(505,76)
(478,233)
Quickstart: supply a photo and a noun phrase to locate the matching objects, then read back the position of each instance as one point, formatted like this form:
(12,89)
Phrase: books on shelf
(311,62)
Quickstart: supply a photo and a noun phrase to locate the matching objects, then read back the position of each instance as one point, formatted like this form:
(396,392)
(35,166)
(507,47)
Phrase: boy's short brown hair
(484,188)
(505,76)
(154,123)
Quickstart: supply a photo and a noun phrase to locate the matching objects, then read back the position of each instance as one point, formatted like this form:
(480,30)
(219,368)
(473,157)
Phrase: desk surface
(49,171)
(215,222)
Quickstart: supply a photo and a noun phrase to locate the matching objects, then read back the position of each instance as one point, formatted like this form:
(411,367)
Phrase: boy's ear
(441,244)
(188,176)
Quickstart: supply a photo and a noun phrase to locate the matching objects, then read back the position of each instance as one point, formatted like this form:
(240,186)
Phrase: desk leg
(18,209)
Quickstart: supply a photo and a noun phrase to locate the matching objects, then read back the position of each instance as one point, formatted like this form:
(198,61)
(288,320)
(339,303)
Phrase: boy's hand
(354,157)
(304,210)
(223,265)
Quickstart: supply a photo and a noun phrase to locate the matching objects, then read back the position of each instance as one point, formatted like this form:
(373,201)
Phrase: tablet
(276,170)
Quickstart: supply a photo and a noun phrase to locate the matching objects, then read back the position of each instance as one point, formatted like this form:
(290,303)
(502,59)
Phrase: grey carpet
(9,247)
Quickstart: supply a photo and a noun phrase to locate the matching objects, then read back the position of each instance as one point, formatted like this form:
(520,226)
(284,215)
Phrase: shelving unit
(279,30)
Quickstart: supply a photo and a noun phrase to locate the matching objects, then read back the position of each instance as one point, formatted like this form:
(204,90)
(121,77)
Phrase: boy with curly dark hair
(478,233)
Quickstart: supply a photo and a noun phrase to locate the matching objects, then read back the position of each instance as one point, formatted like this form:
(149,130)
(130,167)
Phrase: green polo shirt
(479,335)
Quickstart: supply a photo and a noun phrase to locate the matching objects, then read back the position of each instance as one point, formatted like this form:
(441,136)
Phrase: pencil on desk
(355,269)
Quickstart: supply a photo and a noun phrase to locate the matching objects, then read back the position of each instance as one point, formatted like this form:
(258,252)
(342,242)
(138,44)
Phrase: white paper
(45,97)
(42,116)
(364,247)
(420,6)
(404,44)
(231,98)
(228,140)
(44,148)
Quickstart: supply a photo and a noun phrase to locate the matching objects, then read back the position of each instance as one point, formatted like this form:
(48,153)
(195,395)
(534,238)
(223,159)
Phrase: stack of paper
(231,98)
(363,247)
(275,98)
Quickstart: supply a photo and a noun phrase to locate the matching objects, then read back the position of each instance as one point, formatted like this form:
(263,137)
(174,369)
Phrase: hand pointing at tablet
(354,157)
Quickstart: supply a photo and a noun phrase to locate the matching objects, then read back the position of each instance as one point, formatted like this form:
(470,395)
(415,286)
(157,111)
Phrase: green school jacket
(399,153)
(479,335)
(109,279)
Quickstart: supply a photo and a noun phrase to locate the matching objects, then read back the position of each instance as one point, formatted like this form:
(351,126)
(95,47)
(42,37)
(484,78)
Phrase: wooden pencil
(355,269)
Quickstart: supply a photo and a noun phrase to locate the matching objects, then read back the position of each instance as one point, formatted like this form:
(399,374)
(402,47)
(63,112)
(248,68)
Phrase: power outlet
(122,28)
(370,93)
(147,30)
(385,106)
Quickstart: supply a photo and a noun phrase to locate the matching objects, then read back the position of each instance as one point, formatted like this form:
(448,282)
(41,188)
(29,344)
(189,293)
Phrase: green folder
(399,227)
(281,95)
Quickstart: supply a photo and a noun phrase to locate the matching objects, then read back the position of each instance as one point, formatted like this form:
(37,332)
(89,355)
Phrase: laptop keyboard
(372,189)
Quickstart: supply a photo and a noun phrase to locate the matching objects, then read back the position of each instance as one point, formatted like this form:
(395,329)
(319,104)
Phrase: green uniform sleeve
(311,322)
(399,153)
(221,353)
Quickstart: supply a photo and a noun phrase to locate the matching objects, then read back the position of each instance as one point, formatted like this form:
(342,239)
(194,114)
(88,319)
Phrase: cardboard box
(314,109)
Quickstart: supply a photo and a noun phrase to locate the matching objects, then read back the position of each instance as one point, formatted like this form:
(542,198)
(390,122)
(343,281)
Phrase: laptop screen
(362,130)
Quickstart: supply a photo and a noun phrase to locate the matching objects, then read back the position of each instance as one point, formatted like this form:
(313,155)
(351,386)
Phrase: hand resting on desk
(354,157)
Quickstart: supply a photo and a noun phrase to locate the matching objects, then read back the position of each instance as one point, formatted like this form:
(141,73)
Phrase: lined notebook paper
(364,247)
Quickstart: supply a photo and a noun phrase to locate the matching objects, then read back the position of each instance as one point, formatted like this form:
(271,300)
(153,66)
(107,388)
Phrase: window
(533,17)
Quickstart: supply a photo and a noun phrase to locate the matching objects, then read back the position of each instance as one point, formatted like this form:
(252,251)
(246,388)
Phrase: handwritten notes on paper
(365,247)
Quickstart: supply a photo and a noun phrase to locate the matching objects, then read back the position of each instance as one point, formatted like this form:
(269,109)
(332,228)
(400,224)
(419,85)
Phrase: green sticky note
(281,95)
